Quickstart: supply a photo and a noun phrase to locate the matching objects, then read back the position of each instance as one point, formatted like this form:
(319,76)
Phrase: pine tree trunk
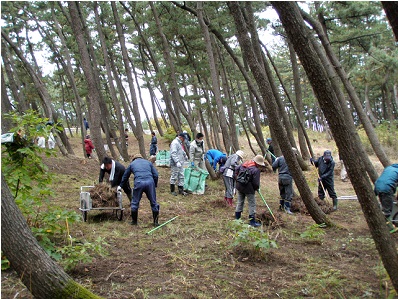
(92,99)
(138,132)
(39,273)
(214,79)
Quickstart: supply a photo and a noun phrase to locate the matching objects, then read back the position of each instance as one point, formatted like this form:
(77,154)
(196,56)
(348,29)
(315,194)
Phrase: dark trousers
(147,187)
(329,187)
(286,188)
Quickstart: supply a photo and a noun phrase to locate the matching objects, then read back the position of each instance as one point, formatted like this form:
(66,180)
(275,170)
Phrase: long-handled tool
(262,197)
(271,154)
(163,224)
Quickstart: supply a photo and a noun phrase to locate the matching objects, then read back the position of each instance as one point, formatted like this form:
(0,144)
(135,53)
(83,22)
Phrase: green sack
(195,179)
(163,158)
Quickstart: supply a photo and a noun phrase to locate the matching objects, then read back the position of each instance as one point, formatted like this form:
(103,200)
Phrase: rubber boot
(155,218)
(281,204)
(181,190)
(173,189)
(391,226)
(252,219)
(134,217)
(230,203)
(335,200)
(237,215)
(287,208)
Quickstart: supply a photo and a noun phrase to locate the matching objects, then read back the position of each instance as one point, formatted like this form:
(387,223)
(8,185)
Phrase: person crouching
(145,181)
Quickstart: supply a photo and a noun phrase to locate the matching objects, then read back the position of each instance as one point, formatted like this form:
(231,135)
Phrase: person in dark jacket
(385,187)
(88,145)
(271,149)
(248,190)
(145,181)
(115,171)
(153,148)
(86,126)
(325,165)
(285,182)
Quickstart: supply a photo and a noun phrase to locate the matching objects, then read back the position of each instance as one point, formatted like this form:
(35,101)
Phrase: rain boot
(155,218)
(281,204)
(391,226)
(134,217)
(287,208)
(237,215)
(252,219)
(173,189)
(181,190)
(335,204)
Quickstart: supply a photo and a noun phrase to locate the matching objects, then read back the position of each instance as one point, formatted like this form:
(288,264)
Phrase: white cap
(240,153)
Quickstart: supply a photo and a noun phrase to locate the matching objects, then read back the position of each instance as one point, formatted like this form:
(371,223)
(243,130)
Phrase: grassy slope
(192,256)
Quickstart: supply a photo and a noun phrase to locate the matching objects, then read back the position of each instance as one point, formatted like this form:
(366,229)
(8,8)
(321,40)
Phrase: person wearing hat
(325,165)
(285,182)
(115,171)
(216,157)
(177,158)
(88,145)
(248,187)
(145,181)
(271,149)
(232,162)
(197,152)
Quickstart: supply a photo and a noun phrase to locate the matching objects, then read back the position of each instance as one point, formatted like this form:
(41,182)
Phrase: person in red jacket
(248,186)
(88,145)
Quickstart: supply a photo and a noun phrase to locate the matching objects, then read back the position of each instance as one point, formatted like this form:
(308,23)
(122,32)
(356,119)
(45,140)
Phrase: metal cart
(86,203)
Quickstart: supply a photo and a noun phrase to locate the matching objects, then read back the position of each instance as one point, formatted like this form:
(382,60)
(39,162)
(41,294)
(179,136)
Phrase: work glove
(192,164)
(119,189)
(179,164)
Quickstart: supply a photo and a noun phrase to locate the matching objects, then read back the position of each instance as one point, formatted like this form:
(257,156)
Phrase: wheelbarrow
(86,203)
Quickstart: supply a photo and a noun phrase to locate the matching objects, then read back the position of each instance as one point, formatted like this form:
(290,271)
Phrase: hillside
(193,256)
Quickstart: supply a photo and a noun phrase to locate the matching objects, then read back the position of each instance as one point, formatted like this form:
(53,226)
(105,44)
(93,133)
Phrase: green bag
(195,179)
(163,158)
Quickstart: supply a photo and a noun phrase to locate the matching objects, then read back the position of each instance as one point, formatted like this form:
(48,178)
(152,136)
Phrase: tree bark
(295,28)
(214,79)
(391,9)
(92,99)
(43,277)
(112,89)
(138,132)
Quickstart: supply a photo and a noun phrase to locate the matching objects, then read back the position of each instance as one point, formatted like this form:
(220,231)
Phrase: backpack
(244,176)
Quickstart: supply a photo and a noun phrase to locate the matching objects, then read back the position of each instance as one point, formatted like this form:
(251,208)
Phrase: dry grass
(192,256)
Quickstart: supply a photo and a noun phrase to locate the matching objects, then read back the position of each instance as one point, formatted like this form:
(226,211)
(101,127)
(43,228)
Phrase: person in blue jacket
(385,187)
(216,157)
(145,181)
(325,165)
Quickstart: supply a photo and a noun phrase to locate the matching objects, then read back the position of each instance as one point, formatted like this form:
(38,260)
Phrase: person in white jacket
(197,152)
(177,159)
